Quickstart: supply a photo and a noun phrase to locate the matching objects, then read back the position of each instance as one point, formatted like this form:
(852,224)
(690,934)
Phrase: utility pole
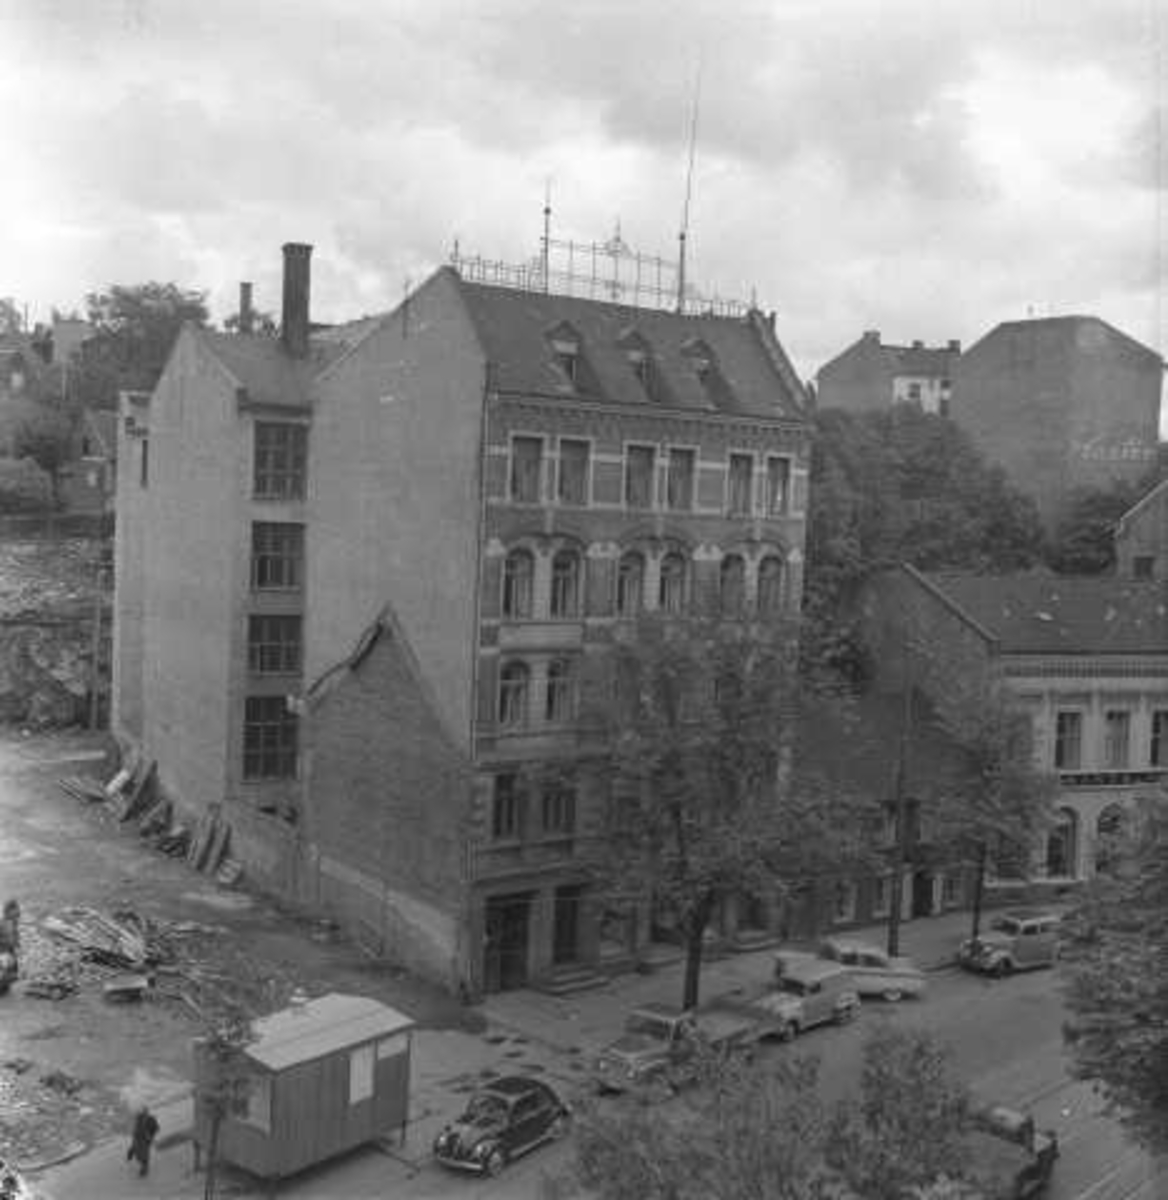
(95,656)
(983,853)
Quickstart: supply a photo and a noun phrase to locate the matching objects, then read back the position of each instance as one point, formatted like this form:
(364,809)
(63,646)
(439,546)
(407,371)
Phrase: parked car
(659,1044)
(825,991)
(504,1119)
(1009,1156)
(1016,941)
(875,972)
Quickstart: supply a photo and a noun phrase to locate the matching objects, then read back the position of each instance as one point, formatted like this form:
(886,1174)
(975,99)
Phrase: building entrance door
(566,925)
(506,937)
(922,894)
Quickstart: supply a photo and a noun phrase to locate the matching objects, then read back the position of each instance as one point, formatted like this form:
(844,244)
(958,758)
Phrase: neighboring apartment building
(1085,659)
(871,376)
(1141,537)
(1061,403)
(362,573)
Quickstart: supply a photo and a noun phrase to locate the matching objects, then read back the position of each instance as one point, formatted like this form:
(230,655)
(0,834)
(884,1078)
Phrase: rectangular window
(951,889)
(843,901)
(269,739)
(741,485)
(257,1103)
(507,809)
(561,691)
(1116,739)
(1068,741)
(1159,757)
(640,462)
(572,486)
(361,1074)
(273,645)
(559,810)
(778,485)
(680,483)
(144,463)
(281,457)
(277,556)
(526,469)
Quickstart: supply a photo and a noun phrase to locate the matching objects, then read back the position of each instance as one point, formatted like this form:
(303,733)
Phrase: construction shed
(320,1077)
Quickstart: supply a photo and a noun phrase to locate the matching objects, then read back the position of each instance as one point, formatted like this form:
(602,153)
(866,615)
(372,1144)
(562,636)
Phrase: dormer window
(564,343)
(640,359)
(705,368)
(568,360)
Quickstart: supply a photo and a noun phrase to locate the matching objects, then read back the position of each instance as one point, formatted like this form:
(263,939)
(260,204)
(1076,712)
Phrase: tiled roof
(263,367)
(514,327)
(1143,502)
(1036,612)
(104,427)
(922,360)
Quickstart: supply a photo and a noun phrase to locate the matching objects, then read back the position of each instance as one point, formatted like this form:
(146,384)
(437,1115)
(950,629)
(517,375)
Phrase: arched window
(514,681)
(770,586)
(1062,845)
(518,574)
(630,584)
(566,584)
(673,581)
(561,691)
(732,593)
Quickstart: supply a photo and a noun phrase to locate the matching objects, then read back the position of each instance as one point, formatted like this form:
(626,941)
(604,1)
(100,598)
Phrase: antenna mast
(684,234)
(547,234)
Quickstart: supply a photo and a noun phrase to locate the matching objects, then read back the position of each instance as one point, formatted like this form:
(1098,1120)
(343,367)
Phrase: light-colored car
(1016,941)
(874,971)
(825,991)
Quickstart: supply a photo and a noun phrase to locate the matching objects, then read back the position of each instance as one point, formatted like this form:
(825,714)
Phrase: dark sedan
(504,1119)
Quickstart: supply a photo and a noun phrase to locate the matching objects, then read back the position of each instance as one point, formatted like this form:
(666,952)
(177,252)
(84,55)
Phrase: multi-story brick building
(1061,403)
(362,572)
(1141,537)
(870,376)
(1084,659)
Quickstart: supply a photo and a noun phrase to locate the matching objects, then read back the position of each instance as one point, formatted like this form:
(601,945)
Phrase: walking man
(142,1137)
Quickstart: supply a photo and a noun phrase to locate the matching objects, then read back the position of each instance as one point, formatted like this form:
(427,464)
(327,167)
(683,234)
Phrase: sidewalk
(446,1066)
(580,1024)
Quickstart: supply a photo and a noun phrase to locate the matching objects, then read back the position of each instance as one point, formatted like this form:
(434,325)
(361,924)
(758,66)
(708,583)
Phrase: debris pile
(133,794)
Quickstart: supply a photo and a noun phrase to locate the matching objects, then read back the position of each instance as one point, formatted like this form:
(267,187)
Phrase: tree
(45,435)
(134,331)
(24,487)
(899,485)
(704,807)
(225,1079)
(750,1132)
(1114,951)
(908,1126)
(1084,540)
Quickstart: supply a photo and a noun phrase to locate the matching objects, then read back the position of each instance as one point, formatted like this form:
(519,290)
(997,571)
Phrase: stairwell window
(269,739)
(281,458)
(526,469)
(277,556)
(273,644)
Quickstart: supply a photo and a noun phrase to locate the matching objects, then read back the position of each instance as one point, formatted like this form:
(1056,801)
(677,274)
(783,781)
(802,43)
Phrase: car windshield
(485,1110)
(650,1026)
(795,986)
(1007,925)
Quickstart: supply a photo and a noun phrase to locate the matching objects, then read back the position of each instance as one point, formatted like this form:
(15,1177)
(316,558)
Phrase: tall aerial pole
(546,244)
(684,235)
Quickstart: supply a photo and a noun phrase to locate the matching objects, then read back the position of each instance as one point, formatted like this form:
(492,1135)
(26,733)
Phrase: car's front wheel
(1002,968)
(892,995)
(495,1163)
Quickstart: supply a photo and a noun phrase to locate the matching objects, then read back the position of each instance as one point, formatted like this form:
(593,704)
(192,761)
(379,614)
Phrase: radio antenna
(684,234)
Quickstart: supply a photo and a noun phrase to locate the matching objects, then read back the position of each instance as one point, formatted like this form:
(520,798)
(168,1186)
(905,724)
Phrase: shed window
(257,1104)
(360,1074)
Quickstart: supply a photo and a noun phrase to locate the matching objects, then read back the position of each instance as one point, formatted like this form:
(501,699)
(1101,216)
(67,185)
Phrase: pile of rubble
(126,954)
(134,795)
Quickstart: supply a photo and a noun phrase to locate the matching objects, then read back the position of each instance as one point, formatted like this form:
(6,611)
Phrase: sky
(926,168)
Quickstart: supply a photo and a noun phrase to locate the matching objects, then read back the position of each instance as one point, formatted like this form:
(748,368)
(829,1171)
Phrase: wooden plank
(217,847)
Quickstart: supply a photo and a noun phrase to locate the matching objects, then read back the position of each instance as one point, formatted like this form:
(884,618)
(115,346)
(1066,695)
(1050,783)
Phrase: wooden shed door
(505,951)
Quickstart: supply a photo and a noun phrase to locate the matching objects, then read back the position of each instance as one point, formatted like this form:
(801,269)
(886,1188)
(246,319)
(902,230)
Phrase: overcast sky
(922,167)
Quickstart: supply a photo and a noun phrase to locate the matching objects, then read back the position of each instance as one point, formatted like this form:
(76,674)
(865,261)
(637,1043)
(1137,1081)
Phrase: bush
(24,487)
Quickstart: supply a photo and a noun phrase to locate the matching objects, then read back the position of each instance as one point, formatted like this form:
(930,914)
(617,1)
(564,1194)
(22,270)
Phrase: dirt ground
(71,1069)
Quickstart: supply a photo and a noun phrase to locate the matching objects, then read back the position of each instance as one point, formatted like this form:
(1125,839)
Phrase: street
(1005,1036)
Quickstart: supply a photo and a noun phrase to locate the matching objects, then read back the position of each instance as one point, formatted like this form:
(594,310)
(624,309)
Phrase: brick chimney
(297,278)
(872,335)
(955,345)
(918,345)
(245,310)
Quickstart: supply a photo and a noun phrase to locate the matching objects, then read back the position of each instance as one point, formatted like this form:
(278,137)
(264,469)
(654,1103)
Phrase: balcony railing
(1086,779)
